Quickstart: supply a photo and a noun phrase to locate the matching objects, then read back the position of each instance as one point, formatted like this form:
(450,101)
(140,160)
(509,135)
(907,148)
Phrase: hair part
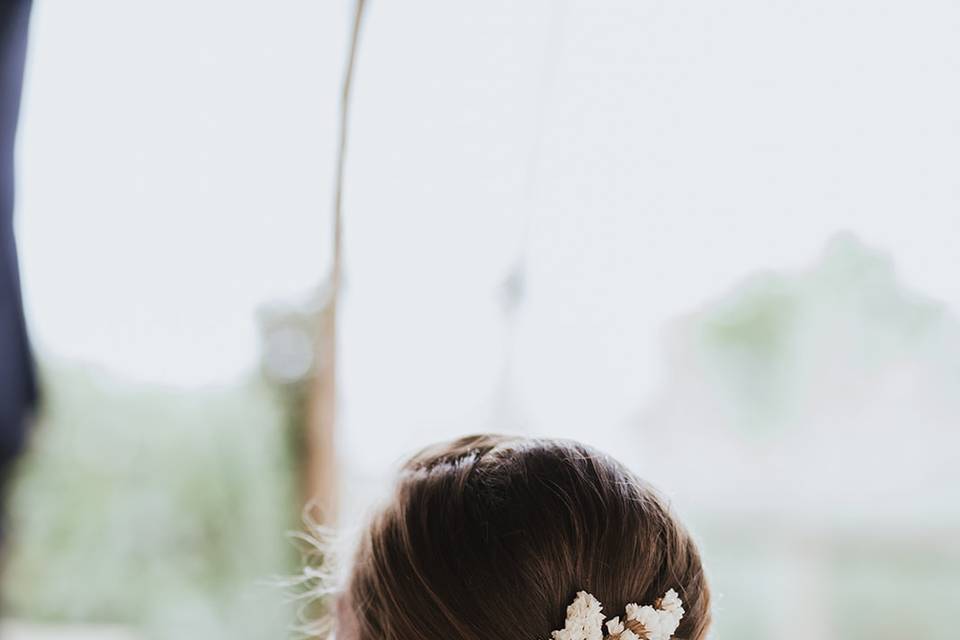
(492,536)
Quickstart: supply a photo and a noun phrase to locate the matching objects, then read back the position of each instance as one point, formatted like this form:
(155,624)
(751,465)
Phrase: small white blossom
(662,622)
(584,620)
(671,602)
(614,627)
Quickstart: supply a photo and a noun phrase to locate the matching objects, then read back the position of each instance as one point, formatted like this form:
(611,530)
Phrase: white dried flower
(617,630)
(615,627)
(659,623)
(584,620)
(672,603)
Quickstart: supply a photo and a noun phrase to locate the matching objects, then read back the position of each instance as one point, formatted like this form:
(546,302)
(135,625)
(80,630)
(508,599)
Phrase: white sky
(176,163)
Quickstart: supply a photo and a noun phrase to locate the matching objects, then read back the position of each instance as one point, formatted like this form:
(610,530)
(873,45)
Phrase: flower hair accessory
(657,622)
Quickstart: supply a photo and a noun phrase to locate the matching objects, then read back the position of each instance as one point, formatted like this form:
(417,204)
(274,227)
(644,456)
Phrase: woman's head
(492,537)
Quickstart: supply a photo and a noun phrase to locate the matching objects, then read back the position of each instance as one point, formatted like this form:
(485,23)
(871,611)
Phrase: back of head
(492,536)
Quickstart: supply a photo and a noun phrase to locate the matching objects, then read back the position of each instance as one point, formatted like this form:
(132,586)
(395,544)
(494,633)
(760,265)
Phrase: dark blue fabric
(18,389)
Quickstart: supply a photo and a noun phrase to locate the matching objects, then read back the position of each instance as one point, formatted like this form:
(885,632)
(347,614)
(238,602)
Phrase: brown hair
(492,536)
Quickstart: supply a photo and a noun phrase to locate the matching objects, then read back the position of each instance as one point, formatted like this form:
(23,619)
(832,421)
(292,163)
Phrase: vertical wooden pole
(321,414)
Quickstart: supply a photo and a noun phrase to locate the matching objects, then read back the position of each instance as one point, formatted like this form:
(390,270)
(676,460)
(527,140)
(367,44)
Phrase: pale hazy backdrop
(634,166)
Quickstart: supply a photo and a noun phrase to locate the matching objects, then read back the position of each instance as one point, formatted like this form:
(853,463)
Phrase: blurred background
(718,240)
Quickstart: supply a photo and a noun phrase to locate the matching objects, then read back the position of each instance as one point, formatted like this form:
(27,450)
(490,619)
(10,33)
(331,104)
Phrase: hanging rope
(507,411)
(321,472)
(342,145)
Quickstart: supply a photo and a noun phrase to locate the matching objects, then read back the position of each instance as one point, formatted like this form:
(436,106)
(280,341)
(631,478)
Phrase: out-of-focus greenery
(164,509)
(766,340)
(809,419)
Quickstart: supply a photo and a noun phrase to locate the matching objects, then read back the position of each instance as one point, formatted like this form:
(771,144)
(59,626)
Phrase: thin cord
(321,423)
(342,147)
(555,37)
(506,411)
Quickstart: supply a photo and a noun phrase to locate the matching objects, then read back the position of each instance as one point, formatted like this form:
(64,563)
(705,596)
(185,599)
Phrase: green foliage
(758,324)
(166,509)
(771,343)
